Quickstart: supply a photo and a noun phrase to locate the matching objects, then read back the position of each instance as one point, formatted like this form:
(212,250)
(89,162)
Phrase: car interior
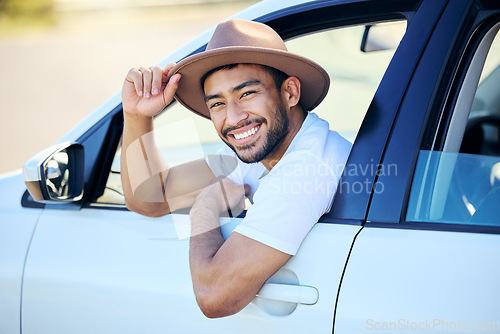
(483,126)
(482,138)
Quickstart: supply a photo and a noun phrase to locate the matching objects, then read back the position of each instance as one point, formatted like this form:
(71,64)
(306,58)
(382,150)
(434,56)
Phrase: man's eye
(247,93)
(215,105)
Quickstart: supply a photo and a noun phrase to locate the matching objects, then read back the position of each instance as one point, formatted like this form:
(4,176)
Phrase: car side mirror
(56,175)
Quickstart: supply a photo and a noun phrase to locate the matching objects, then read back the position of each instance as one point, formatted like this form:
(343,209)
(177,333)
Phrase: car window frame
(371,142)
(298,20)
(473,28)
(463,103)
(462,107)
(293,22)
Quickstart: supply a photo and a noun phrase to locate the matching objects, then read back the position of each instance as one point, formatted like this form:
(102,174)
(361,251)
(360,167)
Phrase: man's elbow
(214,306)
(214,313)
(149,209)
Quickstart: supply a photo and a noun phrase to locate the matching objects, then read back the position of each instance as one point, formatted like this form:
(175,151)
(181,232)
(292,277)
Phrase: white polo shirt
(290,199)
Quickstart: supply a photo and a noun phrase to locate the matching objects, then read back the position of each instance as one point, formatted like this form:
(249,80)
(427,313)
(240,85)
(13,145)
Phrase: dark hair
(277,75)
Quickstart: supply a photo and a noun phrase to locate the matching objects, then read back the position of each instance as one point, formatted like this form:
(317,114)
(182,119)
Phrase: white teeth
(246,134)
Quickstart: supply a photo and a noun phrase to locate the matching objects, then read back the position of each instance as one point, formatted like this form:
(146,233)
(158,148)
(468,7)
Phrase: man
(257,96)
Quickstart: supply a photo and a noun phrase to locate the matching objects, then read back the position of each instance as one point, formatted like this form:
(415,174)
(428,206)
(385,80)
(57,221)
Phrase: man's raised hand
(146,91)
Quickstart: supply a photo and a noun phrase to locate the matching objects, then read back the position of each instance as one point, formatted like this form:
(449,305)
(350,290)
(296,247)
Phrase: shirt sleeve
(290,200)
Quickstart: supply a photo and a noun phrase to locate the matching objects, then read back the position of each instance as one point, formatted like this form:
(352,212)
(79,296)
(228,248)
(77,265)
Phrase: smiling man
(259,97)
(232,91)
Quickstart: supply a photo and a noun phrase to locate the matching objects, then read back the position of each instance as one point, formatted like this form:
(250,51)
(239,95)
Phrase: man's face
(247,111)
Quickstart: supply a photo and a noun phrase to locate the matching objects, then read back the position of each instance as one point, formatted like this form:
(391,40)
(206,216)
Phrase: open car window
(355,75)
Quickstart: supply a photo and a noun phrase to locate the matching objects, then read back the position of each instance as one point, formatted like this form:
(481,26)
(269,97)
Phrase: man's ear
(291,88)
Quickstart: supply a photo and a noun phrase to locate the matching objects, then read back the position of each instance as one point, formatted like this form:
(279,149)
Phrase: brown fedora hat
(246,42)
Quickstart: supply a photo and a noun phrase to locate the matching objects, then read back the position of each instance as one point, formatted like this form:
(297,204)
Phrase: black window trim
(435,139)
(397,214)
(438,227)
(480,26)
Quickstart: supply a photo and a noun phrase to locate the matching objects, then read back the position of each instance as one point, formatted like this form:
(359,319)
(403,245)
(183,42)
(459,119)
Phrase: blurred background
(60,59)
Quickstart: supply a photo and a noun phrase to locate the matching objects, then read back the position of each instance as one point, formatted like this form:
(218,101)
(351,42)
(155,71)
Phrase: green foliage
(16,8)
(24,13)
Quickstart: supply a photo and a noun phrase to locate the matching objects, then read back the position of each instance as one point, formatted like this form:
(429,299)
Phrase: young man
(257,96)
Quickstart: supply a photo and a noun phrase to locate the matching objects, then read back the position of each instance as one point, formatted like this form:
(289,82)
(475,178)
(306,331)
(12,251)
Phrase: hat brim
(314,79)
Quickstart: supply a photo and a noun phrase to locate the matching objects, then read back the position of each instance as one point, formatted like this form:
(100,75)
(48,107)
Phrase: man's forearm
(141,160)
(206,240)
(150,186)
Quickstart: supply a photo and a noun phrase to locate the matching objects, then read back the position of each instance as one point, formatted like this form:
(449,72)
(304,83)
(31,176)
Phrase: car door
(99,268)
(426,258)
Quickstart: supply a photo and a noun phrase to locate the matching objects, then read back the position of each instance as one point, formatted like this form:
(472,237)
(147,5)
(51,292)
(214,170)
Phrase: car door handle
(299,294)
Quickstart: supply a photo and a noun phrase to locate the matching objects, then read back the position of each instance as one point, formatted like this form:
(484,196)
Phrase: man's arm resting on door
(226,274)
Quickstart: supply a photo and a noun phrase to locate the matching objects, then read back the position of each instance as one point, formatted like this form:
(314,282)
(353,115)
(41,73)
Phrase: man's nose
(235,113)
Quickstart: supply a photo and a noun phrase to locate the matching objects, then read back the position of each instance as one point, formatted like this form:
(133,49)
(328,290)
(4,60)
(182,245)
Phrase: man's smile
(245,134)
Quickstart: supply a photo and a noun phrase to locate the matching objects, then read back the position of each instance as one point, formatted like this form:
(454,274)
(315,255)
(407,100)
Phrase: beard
(274,137)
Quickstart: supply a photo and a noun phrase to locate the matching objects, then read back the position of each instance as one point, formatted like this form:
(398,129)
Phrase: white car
(411,243)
